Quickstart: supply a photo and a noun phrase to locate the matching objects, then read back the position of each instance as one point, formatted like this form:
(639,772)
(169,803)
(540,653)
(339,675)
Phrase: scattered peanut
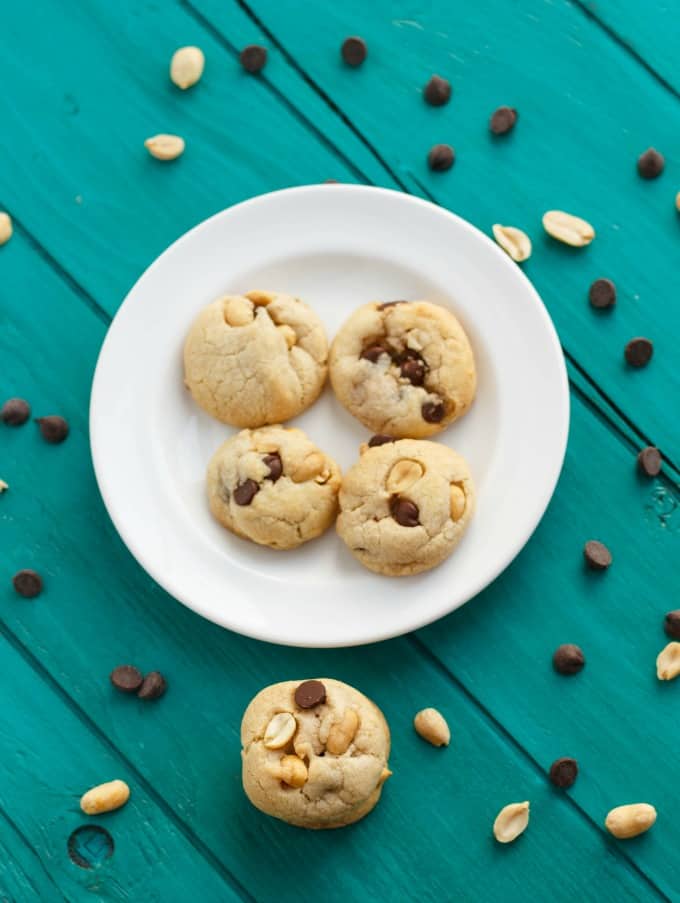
(342,733)
(105,797)
(5,228)
(186,66)
(280,730)
(403,475)
(3,486)
(165,147)
(677,201)
(259,298)
(511,821)
(514,242)
(432,726)
(312,466)
(457,502)
(292,771)
(571,230)
(668,662)
(629,821)
(238,312)
(288,333)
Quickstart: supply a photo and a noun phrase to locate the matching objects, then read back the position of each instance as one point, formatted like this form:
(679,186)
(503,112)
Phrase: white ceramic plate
(336,246)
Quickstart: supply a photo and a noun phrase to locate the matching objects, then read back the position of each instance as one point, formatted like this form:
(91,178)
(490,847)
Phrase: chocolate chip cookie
(274,486)
(403,368)
(314,753)
(256,358)
(405,505)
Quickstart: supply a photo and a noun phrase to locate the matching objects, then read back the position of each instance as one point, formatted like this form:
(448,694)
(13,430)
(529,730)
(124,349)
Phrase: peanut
(571,230)
(260,299)
(342,733)
(288,333)
(629,821)
(165,147)
(432,726)
(511,821)
(677,201)
(312,466)
(105,797)
(668,662)
(3,486)
(186,66)
(403,475)
(5,228)
(292,771)
(238,312)
(280,730)
(457,502)
(514,242)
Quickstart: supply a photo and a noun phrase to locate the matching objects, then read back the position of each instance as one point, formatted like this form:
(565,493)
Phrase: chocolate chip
(564,771)
(53,429)
(354,51)
(275,466)
(650,164)
(126,678)
(253,57)
(404,512)
(413,371)
(331,182)
(433,411)
(649,461)
(602,293)
(671,624)
(638,352)
(373,352)
(597,555)
(437,91)
(503,120)
(245,492)
(389,304)
(27,583)
(309,694)
(15,411)
(379,439)
(441,157)
(568,659)
(153,686)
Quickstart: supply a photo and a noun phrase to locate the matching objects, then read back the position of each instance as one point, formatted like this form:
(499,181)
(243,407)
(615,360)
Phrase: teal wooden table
(595,84)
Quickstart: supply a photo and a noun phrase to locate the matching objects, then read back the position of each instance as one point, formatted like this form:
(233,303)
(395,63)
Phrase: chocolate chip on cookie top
(433,411)
(379,439)
(310,693)
(245,492)
(405,512)
(273,462)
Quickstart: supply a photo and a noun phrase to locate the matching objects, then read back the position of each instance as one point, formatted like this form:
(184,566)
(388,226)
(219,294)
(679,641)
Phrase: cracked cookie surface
(323,762)
(274,486)
(403,368)
(405,505)
(255,359)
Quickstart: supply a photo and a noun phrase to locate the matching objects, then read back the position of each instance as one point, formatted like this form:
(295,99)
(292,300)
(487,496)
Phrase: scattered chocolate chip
(649,461)
(437,91)
(331,182)
(441,157)
(503,120)
(28,583)
(597,555)
(15,411)
(253,57)
(275,466)
(404,512)
(126,678)
(309,694)
(671,624)
(379,439)
(433,411)
(54,429)
(413,371)
(373,352)
(245,492)
(389,304)
(638,352)
(650,164)
(602,293)
(568,659)
(563,772)
(354,51)
(153,686)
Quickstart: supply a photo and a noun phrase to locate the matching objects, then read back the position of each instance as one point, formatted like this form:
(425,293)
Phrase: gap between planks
(32,850)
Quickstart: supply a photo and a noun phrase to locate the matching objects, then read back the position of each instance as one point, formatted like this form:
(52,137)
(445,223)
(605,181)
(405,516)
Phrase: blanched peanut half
(238,312)
(292,771)
(511,821)
(514,242)
(571,230)
(259,298)
(403,475)
(312,467)
(5,228)
(288,333)
(342,733)
(280,730)
(457,502)
(186,66)
(165,147)
(629,821)
(668,662)
(432,726)
(105,797)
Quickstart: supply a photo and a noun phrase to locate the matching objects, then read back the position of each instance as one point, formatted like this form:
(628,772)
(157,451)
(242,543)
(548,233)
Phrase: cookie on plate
(274,486)
(403,368)
(314,753)
(256,358)
(405,505)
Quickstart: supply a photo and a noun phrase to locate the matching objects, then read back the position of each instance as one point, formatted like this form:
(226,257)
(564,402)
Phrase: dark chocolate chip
(441,157)
(568,659)
(404,512)
(389,304)
(649,461)
(373,352)
(354,51)
(671,624)
(253,57)
(413,371)
(54,429)
(638,352)
(309,694)
(153,686)
(437,91)
(15,411)
(650,164)
(564,771)
(597,555)
(503,120)
(28,583)
(275,466)
(245,492)
(379,439)
(602,293)
(433,411)
(126,678)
